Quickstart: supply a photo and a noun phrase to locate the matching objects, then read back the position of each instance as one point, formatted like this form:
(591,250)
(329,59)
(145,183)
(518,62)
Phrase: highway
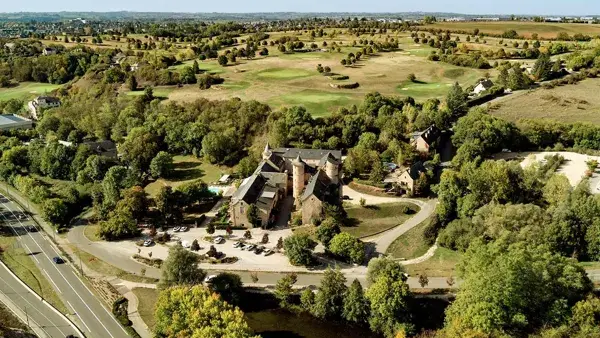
(94,319)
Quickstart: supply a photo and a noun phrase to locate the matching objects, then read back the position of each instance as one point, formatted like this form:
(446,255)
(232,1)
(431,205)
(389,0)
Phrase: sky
(540,7)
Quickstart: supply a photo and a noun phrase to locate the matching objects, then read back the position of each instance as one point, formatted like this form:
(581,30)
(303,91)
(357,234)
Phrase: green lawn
(425,90)
(147,299)
(284,73)
(318,103)
(160,92)
(208,66)
(187,168)
(16,258)
(26,90)
(442,264)
(106,269)
(371,220)
(411,244)
(235,85)
(91,232)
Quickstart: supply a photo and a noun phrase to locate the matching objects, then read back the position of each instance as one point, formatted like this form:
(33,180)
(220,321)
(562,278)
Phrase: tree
(195,246)
(327,230)
(411,77)
(423,280)
(377,174)
(55,211)
(356,307)
(120,225)
(134,202)
(229,286)
(254,277)
(247,166)
(139,148)
(329,301)
(384,267)
(253,216)
(542,285)
(223,60)
(185,311)
(298,248)
(196,67)
(161,165)
(542,66)
(279,245)
(456,100)
(450,281)
(247,234)
(348,248)
(557,189)
(284,289)
(132,83)
(307,299)
(180,268)
(210,228)
(265,239)
(388,298)
(188,76)
(148,94)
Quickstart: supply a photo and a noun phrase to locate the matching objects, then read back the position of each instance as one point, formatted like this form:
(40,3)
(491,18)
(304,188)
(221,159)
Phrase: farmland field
(26,90)
(543,29)
(569,103)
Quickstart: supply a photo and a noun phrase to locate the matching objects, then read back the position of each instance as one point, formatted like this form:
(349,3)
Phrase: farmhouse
(311,176)
(482,86)
(42,102)
(408,178)
(424,140)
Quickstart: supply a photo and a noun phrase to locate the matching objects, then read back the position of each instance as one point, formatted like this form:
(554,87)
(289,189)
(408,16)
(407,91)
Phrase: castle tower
(267,152)
(298,177)
(332,169)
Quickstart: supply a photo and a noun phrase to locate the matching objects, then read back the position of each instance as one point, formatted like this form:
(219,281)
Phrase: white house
(42,102)
(49,51)
(483,86)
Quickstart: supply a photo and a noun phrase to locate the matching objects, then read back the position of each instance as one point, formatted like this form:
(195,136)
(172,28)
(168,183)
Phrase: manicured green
(371,220)
(318,103)
(26,90)
(442,264)
(208,66)
(160,92)
(284,73)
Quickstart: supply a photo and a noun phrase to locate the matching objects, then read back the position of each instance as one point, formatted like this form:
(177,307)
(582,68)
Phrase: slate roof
(430,134)
(253,189)
(487,83)
(104,148)
(250,189)
(317,185)
(306,154)
(416,169)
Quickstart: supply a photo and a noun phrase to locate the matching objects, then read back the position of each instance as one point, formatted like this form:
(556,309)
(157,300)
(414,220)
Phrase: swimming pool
(216,190)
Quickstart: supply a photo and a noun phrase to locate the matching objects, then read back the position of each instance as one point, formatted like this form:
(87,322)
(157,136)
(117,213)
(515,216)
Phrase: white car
(268,252)
(176,229)
(219,240)
(210,278)
(183,229)
(237,244)
(148,242)
(186,244)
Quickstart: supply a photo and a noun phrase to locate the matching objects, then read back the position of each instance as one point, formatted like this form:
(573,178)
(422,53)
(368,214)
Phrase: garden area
(373,219)
(411,244)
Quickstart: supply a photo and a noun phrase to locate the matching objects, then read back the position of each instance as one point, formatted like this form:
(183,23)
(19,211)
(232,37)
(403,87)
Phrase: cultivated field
(569,103)
(544,30)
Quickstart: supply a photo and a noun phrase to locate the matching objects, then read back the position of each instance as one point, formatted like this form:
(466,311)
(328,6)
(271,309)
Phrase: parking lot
(246,259)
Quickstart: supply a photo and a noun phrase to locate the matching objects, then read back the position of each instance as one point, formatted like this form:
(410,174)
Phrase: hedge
(345,86)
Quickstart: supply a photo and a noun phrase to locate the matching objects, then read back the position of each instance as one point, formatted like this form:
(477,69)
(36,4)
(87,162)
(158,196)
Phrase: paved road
(94,319)
(29,307)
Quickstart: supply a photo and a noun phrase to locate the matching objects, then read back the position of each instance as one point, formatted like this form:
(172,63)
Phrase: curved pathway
(423,258)
(383,240)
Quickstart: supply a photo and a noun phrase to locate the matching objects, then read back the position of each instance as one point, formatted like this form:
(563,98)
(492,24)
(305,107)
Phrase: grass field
(147,299)
(26,90)
(411,244)
(160,92)
(208,66)
(91,232)
(106,269)
(374,219)
(187,168)
(543,29)
(442,264)
(15,257)
(569,103)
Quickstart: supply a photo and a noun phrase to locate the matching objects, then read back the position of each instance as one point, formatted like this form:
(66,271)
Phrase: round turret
(298,177)
(267,152)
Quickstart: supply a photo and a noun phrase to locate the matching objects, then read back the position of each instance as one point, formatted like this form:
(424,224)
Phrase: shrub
(119,310)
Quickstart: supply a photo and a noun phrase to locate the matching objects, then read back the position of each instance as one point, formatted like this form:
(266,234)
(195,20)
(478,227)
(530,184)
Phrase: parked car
(31,228)
(259,250)
(209,278)
(58,260)
(346,197)
(176,229)
(148,242)
(183,229)
(219,240)
(237,245)
(250,247)
(268,252)
(186,244)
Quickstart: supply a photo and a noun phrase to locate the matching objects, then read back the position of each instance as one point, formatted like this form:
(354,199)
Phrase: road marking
(63,276)
(77,314)
(56,286)
(32,307)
